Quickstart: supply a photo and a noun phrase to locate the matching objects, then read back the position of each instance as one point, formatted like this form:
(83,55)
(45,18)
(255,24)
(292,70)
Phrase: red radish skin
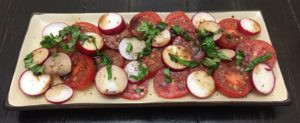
(89,48)
(263,78)
(202,17)
(65,99)
(53,28)
(111,24)
(40,55)
(22,88)
(249,27)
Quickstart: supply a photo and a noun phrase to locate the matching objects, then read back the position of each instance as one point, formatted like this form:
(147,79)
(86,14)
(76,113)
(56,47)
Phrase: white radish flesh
(211,27)
(40,55)
(111,23)
(137,47)
(263,78)
(249,27)
(178,51)
(59,93)
(132,69)
(59,64)
(202,17)
(53,28)
(88,47)
(162,39)
(200,84)
(116,85)
(56,80)
(33,85)
(228,53)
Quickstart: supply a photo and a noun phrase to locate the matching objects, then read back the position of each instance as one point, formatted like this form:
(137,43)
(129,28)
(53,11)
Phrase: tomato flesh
(181,19)
(136,91)
(87,27)
(154,62)
(114,56)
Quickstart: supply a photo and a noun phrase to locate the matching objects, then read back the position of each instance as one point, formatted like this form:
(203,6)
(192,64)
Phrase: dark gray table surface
(282,18)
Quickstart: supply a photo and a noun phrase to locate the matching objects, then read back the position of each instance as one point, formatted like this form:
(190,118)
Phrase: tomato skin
(231,80)
(154,62)
(181,19)
(177,88)
(231,37)
(256,48)
(130,93)
(146,16)
(87,27)
(83,72)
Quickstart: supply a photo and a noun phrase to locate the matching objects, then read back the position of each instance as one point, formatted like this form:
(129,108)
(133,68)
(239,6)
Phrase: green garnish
(29,64)
(176,59)
(167,73)
(179,31)
(211,63)
(138,90)
(129,47)
(143,71)
(257,60)
(239,57)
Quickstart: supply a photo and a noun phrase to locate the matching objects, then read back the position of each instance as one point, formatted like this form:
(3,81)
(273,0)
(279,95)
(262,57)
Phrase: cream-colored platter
(91,98)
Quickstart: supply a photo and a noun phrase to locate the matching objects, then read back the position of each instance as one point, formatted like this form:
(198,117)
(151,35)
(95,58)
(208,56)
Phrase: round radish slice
(200,84)
(59,64)
(178,51)
(228,53)
(202,17)
(116,85)
(40,55)
(162,39)
(33,85)
(132,69)
(263,78)
(249,27)
(111,23)
(88,47)
(136,45)
(53,28)
(59,93)
(211,27)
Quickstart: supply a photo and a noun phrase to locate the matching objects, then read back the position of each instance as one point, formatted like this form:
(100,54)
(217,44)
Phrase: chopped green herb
(29,64)
(211,63)
(129,47)
(257,60)
(167,73)
(143,71)
(138,90)
(183,62)
(179,31)
(162,26)
(239,57)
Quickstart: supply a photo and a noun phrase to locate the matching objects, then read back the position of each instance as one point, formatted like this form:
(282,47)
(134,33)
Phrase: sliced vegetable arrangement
(196,56)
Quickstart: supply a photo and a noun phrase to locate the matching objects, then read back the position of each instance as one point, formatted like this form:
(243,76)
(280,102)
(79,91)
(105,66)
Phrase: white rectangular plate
(91,98)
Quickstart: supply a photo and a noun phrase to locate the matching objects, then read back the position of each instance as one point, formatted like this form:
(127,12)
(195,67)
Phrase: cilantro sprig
(167,73)
(35,68)
(179,31)
(176,59)
(257,60)
(142,72)
(239,57)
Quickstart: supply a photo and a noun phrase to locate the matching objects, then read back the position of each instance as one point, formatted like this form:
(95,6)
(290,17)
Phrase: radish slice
(211,27)
(263,78)
(59,93)
(59,64)
(53,28)
(202,17)
(200,84)
(40,55)
(132,69)
(33,85)
(88,47)
(162,39)
(180,52)
(137,47)
(249,27)
(111,23)
(228,53)
(116,85)
(56,80)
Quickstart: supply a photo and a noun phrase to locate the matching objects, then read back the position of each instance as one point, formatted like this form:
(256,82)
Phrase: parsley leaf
(129,47)
(143,71)
(179,31)
(167,73)
(183,62)
(50,41)
(257,60)
(29,64)
(138,90)
(239,57)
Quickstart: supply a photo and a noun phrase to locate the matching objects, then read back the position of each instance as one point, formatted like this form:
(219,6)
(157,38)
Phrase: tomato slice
(177,88)
(146,16)
(256,48)
(181,19)
(83,72)
(136,91)
(113,41)
(114,56)
(231,80)
(154,62)
(87,27)
(231,37)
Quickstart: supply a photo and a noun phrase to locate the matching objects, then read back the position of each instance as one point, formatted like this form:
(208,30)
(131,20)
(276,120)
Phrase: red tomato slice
(231,37)
(154,62)
(256,48)
(83,72)
(113,41)
(146,16)
(136,91)
(114,56)
(177,88)
(87,27)
(231,81)
(181,19)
